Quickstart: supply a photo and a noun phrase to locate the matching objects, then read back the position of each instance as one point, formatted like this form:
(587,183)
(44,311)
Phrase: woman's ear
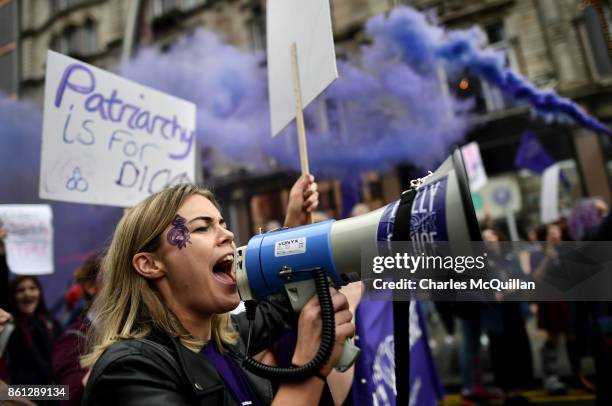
(148,266)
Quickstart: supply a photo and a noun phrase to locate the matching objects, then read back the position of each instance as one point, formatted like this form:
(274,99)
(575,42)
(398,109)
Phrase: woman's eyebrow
(205,218)
(208,219)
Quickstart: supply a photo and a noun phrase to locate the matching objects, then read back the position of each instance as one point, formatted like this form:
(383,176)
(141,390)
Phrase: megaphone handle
(349,355)
(299,294)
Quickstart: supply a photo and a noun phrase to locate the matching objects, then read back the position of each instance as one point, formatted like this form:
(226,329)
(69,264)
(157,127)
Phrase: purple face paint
(179,233)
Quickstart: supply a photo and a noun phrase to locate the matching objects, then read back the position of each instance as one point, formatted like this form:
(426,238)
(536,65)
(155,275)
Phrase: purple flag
(425,387)
(374,381)
(532,155)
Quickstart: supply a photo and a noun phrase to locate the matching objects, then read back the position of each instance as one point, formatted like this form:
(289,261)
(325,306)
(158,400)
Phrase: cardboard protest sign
(29,238)
(107,140)
(308,25)
(473,165)
(549,195)
(498,196)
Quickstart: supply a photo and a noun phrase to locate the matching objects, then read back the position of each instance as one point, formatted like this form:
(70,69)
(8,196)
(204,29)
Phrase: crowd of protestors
(132,299)
(582,326)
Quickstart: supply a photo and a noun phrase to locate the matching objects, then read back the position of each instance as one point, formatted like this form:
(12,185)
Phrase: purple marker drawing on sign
(65,82)
(179,233)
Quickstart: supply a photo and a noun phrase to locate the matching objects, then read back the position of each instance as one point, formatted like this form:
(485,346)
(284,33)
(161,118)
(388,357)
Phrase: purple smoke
(228,87)
(372,118)
(78,229)
(407,32)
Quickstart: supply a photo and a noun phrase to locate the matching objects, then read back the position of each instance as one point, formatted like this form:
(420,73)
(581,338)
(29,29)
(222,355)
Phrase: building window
(161,7)
(70,43)
(56,43)
(59,5)
(258,28)
(335,118)
(597,24)
(496,35)
(190,4)
(79,41)
(8,79)
(495,32)
(90,40)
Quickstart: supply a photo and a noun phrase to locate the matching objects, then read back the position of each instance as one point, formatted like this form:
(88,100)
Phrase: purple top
(232,374)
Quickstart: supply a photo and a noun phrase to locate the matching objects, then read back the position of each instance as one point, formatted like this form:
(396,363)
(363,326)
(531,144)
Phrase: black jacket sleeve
(4,281)
(604,232)
(134,376)
(273,318)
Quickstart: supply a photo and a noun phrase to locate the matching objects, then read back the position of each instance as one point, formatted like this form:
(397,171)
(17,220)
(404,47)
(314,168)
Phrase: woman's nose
(225,236)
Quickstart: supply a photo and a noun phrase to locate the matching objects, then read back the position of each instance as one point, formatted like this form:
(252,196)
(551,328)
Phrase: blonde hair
(128,305)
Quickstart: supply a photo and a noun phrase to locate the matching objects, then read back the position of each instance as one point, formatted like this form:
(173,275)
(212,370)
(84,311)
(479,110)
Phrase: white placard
(107,140)
(308,24)
(549,197)
(473,166)
(29,238)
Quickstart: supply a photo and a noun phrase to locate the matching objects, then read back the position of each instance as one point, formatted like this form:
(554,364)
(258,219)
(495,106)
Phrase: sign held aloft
(307,24)
(107,140)
(474,166)
(29,238)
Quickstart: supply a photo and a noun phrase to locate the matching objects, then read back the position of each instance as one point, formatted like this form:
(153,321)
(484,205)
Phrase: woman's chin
(229,303)
(27,311)
(235,301)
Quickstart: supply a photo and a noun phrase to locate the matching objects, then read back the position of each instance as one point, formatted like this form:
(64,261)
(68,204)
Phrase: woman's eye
(200,229)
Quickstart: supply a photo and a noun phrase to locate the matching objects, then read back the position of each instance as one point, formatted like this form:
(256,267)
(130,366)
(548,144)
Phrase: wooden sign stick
(299,116)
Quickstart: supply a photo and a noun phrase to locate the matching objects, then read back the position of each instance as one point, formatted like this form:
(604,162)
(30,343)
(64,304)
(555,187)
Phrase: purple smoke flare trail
(408,33)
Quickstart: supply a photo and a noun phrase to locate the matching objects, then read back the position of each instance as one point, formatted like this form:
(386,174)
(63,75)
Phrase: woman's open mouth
(27,305)
(223,270)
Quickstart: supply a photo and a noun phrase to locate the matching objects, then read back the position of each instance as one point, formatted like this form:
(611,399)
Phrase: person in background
(586,217)
(28,354)
(553,316)
(583,224)
(70,346)
(4,271)
(5,317)
(513,370)
(73,303)
(591,220)
(6,327)
(504,323)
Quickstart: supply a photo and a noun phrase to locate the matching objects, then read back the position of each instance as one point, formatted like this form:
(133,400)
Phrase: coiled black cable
(328,334)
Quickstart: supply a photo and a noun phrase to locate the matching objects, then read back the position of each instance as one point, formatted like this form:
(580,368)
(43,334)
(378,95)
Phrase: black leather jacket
(159,370)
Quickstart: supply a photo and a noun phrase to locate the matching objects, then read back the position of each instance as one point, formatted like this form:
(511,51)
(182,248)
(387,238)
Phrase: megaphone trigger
(299,294)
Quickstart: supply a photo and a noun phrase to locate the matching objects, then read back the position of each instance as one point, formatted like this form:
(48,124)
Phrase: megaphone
(437,208)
